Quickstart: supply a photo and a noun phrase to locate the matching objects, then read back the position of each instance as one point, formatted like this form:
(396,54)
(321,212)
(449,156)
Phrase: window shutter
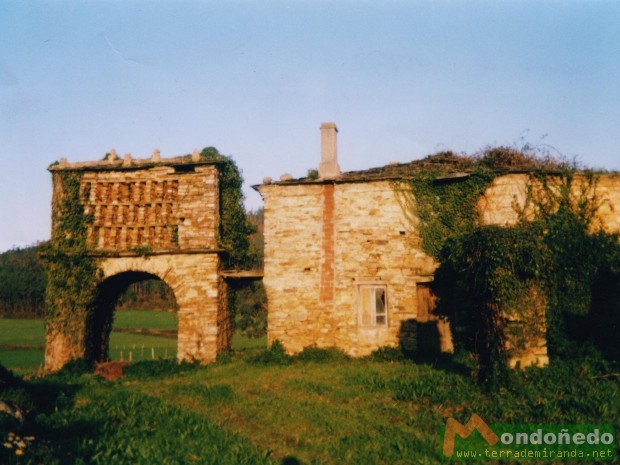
(365,294)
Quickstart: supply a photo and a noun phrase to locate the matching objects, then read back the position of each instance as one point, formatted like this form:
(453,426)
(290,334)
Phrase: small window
(372,305)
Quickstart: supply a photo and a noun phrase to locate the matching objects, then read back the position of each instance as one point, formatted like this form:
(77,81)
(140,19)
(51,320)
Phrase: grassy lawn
(141,346)
(338,411)
(22,341)
(318,413)
(256,408)
(145,319)
(21,344)
(22,360)
(26,333)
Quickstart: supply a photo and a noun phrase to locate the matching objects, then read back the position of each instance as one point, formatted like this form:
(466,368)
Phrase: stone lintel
(247,274)
(133,253)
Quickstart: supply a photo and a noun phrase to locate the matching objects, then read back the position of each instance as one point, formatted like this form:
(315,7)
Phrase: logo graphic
(500,441)
(453,428)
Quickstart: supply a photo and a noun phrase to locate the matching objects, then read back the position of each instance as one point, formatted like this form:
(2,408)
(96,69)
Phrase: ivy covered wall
(502,287)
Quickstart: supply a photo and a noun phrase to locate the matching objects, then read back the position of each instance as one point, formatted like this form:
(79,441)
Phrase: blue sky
(256,79)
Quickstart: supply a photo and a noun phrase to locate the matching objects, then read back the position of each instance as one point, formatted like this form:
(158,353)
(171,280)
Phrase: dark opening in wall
(184,169)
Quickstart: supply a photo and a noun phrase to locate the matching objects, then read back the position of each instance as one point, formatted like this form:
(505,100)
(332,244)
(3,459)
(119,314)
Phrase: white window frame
(368,290)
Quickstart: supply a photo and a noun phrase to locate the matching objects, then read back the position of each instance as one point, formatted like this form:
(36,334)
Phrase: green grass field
(27,333)
(263,407)
(22,341)
(251,409)
(145,319)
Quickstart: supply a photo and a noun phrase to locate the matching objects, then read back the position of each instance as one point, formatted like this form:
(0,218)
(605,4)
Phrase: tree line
(24,273)
(23,279)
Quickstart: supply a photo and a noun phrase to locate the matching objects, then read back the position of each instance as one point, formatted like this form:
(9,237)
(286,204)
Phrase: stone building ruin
(344,264)
(153,218)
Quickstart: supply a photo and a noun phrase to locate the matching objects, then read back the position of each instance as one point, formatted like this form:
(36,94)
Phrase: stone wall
(497,206)
(323,240)
(293,254)
(500,204)
(314,268)
(195,281)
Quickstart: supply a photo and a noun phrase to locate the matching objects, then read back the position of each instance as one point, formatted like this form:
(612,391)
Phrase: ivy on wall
(488,278)
(547,265)
(447,206)
(73,274)
(563,209)
(446,188)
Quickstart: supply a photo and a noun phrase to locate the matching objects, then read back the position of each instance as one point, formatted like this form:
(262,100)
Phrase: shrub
(563,210)
(481,283)
(387,354)
(248,306)
(316,354)
(275,355)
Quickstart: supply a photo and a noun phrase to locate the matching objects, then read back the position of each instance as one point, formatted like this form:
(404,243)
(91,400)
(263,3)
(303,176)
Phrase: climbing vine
(497,284)
(563,208)
(73,274)
(446,206)
(235,229)
(246,302)
(487,279)
(441,196)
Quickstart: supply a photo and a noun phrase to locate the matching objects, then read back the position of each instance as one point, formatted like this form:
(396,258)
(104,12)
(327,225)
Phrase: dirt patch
(110,370)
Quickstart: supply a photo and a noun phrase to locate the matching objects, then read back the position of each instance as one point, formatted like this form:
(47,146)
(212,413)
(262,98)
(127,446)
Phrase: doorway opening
(134,318)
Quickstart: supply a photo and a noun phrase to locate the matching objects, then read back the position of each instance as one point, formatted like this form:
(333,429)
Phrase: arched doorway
(99,328)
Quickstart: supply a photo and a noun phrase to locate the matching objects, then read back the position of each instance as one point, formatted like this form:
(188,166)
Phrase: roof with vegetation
(449,164)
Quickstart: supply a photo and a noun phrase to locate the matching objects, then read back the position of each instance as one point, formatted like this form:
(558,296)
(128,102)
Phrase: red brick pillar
(327,266)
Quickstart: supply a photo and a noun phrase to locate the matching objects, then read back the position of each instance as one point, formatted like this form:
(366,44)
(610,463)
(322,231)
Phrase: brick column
(327,265)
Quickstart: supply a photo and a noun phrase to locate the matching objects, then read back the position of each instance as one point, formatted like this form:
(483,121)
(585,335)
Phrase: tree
(235,228)
(23,278)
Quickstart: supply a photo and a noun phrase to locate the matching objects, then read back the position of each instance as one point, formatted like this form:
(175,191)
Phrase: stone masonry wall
(195,281)
(497,206)
(293,254)
(156,207)
(322,240)
(372,243)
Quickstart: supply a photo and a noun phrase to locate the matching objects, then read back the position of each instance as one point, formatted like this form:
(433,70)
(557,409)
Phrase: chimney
(328,168)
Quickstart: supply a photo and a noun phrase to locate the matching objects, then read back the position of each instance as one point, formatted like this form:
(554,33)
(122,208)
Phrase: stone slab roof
(452,165)
(112,162)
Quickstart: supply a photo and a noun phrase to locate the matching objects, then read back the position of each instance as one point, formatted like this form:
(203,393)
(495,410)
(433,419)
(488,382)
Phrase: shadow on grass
(290,460)
(48,433)
(444,362)
(421,343)
(60,443)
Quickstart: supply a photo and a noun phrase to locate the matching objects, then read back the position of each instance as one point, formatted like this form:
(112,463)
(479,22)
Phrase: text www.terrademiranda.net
(523,454)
